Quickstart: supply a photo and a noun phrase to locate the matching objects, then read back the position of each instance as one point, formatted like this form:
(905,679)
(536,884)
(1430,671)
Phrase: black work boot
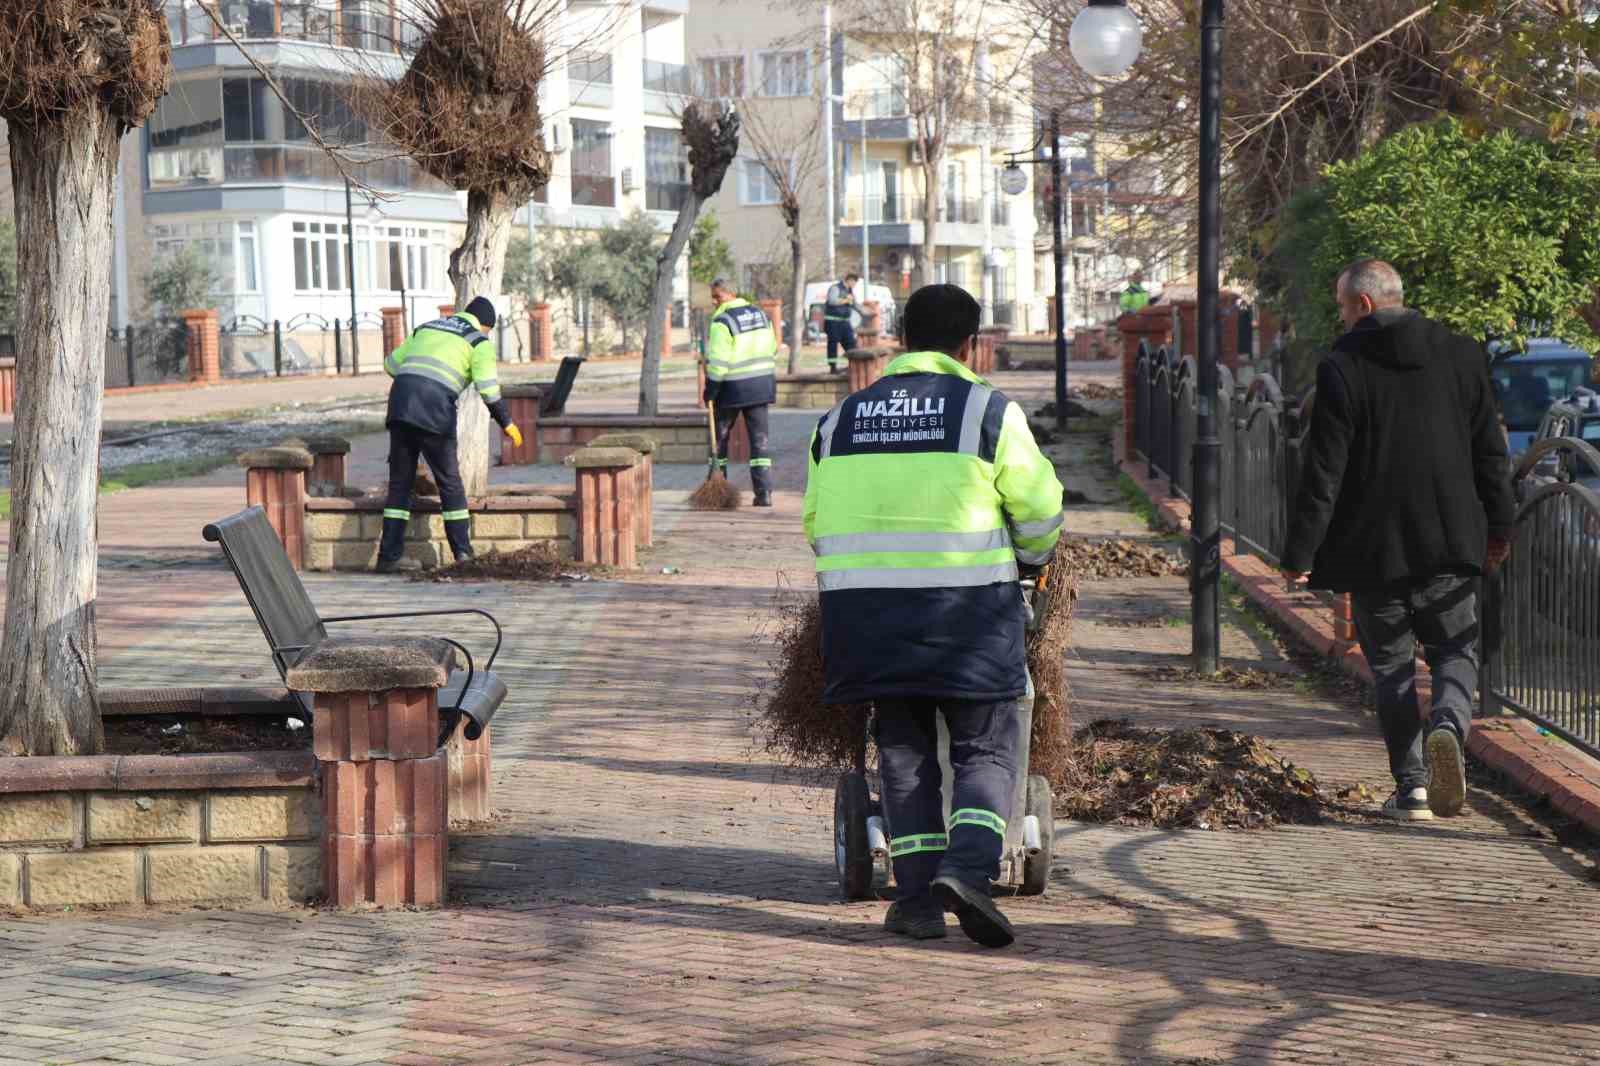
(460,543)
(392,549)
(980,919)
(763,499)
(920,918)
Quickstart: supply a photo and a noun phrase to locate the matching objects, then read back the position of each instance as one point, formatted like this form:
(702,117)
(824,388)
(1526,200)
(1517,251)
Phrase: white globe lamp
(1105,38)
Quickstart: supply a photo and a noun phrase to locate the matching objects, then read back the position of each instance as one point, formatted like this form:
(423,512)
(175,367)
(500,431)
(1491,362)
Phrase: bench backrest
(554,401)
(287,617)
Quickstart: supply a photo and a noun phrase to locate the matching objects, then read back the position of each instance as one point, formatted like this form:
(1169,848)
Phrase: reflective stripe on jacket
(742,356)
(924,492)
(434,366)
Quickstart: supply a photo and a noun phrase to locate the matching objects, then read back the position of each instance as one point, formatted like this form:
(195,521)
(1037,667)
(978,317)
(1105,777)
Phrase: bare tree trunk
(797,316)
(476,269)
(930,220)
(660,298)
(64,177)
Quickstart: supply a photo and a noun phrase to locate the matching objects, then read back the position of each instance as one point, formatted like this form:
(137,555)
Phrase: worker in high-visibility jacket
(741,380)
(434,366)
(838,321)
(1135,297)
(926,501)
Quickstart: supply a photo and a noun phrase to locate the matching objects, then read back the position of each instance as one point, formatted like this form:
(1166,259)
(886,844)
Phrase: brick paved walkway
(656,891)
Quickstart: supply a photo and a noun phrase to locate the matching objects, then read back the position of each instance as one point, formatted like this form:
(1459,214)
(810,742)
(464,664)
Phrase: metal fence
(147,353)
(1540,611)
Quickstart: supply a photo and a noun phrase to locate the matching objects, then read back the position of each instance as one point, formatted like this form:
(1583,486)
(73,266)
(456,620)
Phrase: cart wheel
(851,806)
(1036,868)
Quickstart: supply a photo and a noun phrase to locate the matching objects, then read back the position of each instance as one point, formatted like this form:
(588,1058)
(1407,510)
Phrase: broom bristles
(716,494)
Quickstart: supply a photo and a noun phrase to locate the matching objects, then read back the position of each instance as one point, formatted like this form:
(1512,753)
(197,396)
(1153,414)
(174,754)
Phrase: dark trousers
(755,424)
(840,334)
(1442,615)
(406,444)
(985,744)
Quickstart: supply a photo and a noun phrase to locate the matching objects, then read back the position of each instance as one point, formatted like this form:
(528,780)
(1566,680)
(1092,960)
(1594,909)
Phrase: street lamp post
(350,257)
(1105,40)
(1058,186)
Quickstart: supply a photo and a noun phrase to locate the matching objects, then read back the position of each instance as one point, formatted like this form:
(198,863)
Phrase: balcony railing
(363,24)
(901,209)
(876,103)
(180,168)
(660,77)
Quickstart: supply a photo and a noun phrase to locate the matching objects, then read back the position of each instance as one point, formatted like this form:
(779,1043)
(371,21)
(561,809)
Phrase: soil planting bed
(1095,560)
(537,562)
(195,735)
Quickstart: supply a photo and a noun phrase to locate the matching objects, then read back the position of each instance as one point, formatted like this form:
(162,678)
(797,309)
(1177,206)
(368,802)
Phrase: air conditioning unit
(628,184)
(557,139)
(915,153)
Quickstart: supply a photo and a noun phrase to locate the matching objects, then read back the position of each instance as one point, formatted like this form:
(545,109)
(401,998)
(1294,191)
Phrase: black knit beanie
(482,310)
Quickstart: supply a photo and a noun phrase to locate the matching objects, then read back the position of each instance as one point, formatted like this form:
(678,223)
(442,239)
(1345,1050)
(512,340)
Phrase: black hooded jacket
(1406,474)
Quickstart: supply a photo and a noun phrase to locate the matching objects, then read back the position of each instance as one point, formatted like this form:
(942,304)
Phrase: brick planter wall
(205,346)
(541,333)
(644,481)
(342,533)
(812,391)
(866,367)
(328,462)
(606,499)
(394,329)
(1153,326)
(159,829)
(523,402)
(680,438)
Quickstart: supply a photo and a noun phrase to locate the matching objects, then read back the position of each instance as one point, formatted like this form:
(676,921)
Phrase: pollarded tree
(711,131)
(467,111)
(75,75)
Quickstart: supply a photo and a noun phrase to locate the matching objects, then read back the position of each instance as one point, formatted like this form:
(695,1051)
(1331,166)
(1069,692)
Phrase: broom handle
(711,426)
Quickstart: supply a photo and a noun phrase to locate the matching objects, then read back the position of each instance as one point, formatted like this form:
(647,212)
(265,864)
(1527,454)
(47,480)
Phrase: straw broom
(715,494)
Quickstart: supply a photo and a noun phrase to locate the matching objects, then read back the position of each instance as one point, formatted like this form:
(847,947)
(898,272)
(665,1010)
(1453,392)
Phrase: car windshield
(1526,389)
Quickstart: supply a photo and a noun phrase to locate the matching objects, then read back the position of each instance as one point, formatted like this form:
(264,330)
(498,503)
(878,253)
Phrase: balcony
(665,84)
(875,103)
(364,24)
(898,220)
(282,164)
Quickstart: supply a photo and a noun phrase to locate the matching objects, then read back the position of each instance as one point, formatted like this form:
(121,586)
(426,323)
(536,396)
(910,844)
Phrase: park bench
(290,622)
(554,401)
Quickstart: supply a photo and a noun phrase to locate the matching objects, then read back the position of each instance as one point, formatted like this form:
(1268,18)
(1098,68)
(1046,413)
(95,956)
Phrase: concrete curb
(1541,766)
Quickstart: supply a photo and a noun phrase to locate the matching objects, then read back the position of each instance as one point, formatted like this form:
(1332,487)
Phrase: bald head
(1365,286)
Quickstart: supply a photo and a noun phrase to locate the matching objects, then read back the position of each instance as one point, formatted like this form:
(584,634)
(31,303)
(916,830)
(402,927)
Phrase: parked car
(1527,382)
(817,295)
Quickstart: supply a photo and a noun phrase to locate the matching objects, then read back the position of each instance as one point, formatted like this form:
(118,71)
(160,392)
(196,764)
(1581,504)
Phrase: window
(592,180)
(666,170)
(228,247)
(785,73)
(756,187)
(722,76)
(593,68)
(388,257)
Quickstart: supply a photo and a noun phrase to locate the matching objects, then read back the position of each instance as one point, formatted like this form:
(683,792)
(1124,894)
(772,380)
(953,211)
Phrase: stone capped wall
(342,534)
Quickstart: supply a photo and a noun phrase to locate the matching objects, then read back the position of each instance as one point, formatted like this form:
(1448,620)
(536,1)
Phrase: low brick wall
(342,534)
(815,392)
(123,830)
(680,438)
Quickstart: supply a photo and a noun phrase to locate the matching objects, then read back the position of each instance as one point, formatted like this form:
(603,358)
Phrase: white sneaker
(1411,806)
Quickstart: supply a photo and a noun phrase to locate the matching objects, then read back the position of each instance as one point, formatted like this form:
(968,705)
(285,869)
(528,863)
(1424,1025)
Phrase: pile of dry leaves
(1188,779)
(1096,391)
(536,562)
(1089,560)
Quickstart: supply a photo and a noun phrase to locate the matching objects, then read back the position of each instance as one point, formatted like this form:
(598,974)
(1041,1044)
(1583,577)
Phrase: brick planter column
(870,317)
(275,481)
(523,403)
(1153,325)
(446,310)
(644,481)
(385,781)
(8,385)
(205,345)
(866,366)
(606,496)
(541,332)
(328,461)
(394,329)
(1344,619)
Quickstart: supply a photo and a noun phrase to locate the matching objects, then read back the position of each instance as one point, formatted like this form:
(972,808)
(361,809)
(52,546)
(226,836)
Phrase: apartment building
(225,168)
(780,64)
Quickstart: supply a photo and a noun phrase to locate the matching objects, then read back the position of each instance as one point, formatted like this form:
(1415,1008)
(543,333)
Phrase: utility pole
(350,251)
(1206,548)
(827,136)
(1058,186)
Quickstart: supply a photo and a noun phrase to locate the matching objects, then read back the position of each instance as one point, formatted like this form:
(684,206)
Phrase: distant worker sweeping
(838,318)
(741,379)
(433,367)
(927,500)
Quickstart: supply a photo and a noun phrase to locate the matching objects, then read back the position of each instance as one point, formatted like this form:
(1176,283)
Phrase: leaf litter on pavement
(1116,558)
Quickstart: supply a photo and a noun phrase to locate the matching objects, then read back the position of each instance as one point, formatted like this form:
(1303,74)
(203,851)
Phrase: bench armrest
(498,633)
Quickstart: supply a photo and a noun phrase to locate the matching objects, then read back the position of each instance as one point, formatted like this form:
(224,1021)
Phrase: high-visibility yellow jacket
(924,492)
(1134,298)
(434,366)
(741,356)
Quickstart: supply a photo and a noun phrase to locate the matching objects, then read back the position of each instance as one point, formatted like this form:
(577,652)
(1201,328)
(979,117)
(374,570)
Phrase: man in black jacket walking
(1405,500)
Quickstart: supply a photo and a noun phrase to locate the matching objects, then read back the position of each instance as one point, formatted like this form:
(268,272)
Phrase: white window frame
(750,165)
(708,89)
(169,237)
(765,86)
